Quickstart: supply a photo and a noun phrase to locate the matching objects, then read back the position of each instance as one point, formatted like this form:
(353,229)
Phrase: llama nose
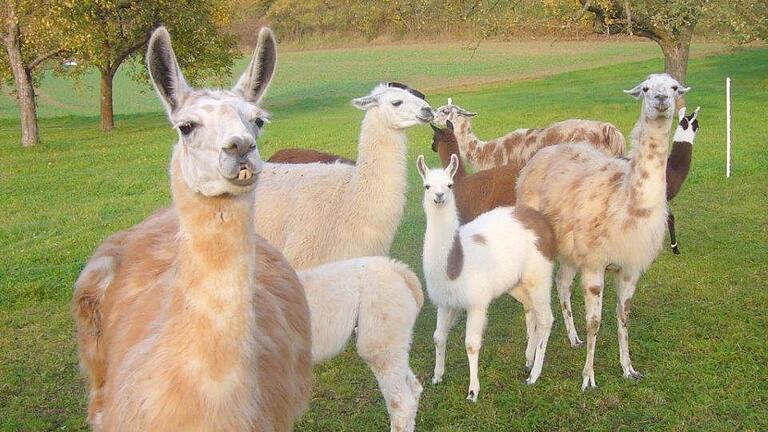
(439,196)
(239,146)
(427,113)
(661,97)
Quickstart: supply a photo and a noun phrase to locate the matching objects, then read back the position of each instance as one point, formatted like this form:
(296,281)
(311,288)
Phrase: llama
(606,211)
(381,298)
(330,212)
(302,156)
(189,320)
(520,145)
(482,191)
(506,250)
(678,164)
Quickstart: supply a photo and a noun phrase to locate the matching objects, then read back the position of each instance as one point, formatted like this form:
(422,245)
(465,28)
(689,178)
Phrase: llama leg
(672,237)
(592,281)
(542,310)
(565,275)
(476,317)
(520,293)
(624,292)
(446,318)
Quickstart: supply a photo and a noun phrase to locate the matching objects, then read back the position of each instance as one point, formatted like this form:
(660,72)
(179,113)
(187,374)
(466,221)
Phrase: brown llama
(189,320)
(520,145)
(304,156)
(678,165)
(482,191)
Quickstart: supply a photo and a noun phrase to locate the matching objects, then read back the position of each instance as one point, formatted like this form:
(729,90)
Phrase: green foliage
(698,325)
(109,32)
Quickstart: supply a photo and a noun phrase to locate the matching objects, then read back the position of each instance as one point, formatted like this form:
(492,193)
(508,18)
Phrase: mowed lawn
(698,325)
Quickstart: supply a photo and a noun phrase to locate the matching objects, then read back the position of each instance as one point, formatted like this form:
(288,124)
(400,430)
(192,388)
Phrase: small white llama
(506,250)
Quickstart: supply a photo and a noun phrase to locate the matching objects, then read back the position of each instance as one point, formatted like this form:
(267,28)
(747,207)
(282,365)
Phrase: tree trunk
(107,113)
(25,92)
(676,61)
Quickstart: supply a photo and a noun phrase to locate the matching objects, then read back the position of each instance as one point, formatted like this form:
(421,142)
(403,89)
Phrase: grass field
(698,328)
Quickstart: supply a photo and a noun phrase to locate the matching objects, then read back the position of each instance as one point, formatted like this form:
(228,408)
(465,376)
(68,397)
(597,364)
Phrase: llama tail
(411,280)
(614,140)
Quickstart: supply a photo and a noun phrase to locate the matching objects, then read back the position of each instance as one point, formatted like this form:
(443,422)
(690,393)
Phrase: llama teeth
(244,174)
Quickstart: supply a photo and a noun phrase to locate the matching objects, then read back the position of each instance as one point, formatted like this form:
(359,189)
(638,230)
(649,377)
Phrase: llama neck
(678,165)
(216,262)
(469,144)
(381,168)
(447,147)
(442,224)
(648,165)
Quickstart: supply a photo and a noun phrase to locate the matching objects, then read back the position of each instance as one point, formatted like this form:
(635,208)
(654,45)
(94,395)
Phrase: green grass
(698,328)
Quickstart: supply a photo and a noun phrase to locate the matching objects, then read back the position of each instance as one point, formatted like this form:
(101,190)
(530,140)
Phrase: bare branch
(43,57)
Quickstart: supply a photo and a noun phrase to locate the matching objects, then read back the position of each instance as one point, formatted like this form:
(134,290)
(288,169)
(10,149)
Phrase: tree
(32,32)
(113,32)
(668,23)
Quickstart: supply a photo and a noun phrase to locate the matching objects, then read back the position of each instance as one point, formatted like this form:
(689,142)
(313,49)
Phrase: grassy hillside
(698,328)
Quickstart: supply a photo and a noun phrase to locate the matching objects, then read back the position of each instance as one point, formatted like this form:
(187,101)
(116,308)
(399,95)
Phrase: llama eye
(450,186)
(397,103)
(645,89)
(259,122)
(674,88)
(426,187)
(187,128)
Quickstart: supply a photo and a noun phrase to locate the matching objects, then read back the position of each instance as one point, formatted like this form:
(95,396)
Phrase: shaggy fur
(381,298)
(189,320)
(506,250)
(303,156)
(605,211)
(479,192)
(330,212)
(519,146)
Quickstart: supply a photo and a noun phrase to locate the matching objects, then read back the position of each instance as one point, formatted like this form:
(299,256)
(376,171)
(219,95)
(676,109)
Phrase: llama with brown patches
(378,299)
(303,156)
(330,212)
(678,164)
(508,250)
(479,192)
(519,146)
(189,320)
(606,211)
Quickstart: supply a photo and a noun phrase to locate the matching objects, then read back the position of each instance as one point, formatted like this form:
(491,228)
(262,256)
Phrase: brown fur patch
(594,326)
(303,156)
(534,221)
(455,258)
(595,290)
(471,350)
(479,239)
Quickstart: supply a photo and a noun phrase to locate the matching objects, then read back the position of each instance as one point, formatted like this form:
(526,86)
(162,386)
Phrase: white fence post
(728,127)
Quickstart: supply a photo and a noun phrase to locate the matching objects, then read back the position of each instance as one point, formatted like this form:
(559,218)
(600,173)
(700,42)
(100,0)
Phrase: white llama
(330,212)
(189,320)
(506,250)
(606,211)
(381,298)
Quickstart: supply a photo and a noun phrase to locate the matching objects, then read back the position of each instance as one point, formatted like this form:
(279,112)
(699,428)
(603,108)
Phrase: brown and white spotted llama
(479,192)
(519,146)
(606,211)
(303,156)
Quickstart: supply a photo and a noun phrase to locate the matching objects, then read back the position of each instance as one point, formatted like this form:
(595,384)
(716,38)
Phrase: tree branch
(128,51)
(43,57)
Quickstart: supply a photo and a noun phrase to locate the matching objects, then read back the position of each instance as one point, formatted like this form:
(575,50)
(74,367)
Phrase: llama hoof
(472,396)
(578,343)
(588,382)
(530,381)
(436,380)
(528,367)
(633,375)
(675,250)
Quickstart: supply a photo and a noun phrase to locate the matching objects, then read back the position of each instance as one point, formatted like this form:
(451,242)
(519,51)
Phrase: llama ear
(681,113)
(453,166)
(682,90)
(422,167)
(253,83)
(450,101)
(636,91)
(466,113)
(364,103)
(449,124)
(164,70)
